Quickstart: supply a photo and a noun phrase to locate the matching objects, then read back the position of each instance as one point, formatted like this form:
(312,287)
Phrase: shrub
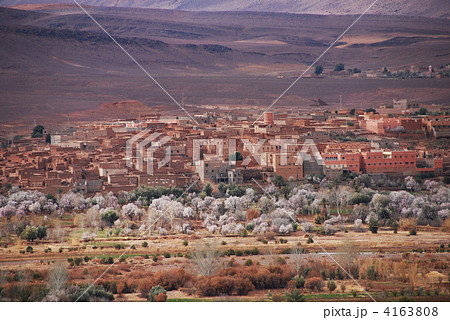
(61,250)
(373,225)
(243,286)
(223,243)
(30,249)
(249,262)
(78,261)
(133,247)
(144,287)
(251,214)
(185,243)
(371,273)
(215,286)
(29,233)
(86,259)
(294,295)
(110,216)
(157,294)
(166,255)
(407,224)
(223,285)
(299,282)
(162,297)
(331,285)
(413,232)
(314,283)
(145,244)
(155,258)
(310,240)
(172,279)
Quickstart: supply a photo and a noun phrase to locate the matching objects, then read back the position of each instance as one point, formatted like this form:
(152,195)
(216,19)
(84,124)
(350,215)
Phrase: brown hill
(55,60)
(429,8)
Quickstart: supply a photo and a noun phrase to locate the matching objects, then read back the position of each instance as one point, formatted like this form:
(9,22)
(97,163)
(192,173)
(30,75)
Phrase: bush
(166,255)
(155,258)
(243,286)
(314,283)
(299,282)
(61,250)
(110,216)
(144,287)
(413,232)
(223,285)
(249,262)
(29,233)
(331,285)
(145,244)
(185,243)
(371,273)
(78,261)
(172,279)
(294,295)
(30,249)
(157,294)
(373,225)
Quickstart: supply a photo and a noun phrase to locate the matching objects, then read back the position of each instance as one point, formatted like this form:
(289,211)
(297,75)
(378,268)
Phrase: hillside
(429,8)
(54,60)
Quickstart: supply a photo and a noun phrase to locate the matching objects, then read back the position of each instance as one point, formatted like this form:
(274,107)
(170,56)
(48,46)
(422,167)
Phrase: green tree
(373,225)
(110,216)
(423,111)
(222,187)
(318,70)
(38,131)
(29,233)
(339,67)
(279,181)
(208,189)
(41,232)
(285,190)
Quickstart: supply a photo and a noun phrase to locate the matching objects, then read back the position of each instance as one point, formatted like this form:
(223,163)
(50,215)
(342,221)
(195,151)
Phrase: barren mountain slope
(428,8)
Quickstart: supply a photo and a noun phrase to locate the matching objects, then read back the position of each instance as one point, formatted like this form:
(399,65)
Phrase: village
(387,143)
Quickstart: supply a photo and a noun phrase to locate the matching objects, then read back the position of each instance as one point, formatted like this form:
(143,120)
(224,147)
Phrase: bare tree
(206,259)
(58,276)
(348,254)
(58,233)
(296,259)
(25,290)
